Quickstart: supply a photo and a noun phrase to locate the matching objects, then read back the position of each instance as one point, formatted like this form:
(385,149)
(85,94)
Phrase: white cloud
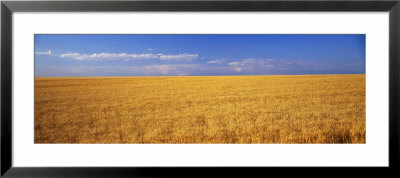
(213,62)
(186,56)
(71,55)
(162,69)
(150,49)
(234,63)
(216,61)
(237,69)
(43,52)
(157,69)
(128,56)
(267,66)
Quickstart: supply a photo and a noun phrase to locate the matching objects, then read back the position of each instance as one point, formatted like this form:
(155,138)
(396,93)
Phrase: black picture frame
(8,7)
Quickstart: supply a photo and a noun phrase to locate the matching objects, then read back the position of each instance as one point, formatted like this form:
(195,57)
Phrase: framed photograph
(167,88)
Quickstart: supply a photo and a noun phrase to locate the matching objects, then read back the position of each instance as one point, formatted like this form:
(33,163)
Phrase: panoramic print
(200,89)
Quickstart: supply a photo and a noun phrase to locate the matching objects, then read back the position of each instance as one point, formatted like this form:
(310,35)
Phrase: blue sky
(198,55)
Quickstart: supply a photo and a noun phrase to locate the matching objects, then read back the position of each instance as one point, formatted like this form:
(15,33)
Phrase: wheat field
(206,109)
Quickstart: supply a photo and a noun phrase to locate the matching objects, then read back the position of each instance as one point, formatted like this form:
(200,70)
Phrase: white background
(373,153)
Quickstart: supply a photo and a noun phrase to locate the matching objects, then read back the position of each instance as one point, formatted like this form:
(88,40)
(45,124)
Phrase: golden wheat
(215,109)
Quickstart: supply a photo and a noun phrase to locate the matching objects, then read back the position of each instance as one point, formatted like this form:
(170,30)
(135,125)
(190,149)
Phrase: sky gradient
(198,55)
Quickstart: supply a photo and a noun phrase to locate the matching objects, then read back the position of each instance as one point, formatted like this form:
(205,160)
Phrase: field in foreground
(222,109)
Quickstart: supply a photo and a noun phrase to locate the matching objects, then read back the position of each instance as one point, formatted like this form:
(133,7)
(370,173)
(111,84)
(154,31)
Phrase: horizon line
(192,75)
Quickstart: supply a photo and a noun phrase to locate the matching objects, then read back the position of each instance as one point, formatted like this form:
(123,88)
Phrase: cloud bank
(185,66)
(129,56)
(43,52)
